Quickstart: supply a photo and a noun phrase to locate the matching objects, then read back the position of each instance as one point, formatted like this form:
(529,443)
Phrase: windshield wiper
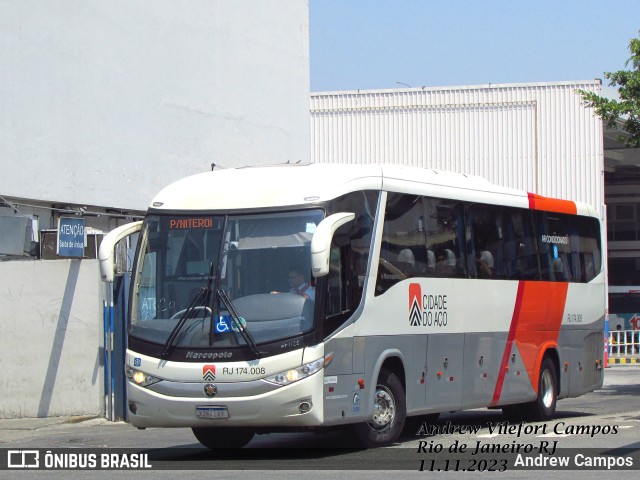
(236,319)
(188,313)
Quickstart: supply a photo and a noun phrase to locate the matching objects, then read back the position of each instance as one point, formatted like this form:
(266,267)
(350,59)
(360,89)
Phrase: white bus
(316,296)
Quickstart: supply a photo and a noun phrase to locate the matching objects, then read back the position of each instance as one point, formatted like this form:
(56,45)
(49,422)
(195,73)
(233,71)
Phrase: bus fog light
(133,407)
(304,407)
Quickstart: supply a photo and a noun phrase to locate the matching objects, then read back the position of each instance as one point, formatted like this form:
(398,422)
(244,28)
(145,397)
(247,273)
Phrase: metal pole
(112,389)
(108,348)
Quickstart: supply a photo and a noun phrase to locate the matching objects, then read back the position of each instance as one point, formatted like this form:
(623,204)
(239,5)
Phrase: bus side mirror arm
(105,253)
(321,242)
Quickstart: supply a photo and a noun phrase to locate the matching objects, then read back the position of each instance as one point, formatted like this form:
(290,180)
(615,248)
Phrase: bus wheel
(389,411)
(215,438)
(420,423)
(544,406)
(514,413)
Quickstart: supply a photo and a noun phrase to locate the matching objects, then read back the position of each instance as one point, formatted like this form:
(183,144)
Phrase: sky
(383,44)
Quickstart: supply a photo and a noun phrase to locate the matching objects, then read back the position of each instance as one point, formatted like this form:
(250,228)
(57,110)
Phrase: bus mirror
(321,241)
(108,244)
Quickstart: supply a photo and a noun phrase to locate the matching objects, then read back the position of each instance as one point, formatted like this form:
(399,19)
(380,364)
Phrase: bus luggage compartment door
(445,354)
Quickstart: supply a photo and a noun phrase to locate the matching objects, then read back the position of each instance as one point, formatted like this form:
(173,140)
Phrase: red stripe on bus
(536,322)
(507,348)
(538,202)
(540,321)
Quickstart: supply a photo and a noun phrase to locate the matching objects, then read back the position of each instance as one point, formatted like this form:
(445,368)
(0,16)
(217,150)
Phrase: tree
(627,109)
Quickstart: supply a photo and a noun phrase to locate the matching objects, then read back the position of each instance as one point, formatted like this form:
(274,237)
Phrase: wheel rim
(547,389)
(384,409)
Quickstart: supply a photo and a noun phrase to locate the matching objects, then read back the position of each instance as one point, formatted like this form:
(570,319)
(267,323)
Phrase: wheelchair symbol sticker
(223,324)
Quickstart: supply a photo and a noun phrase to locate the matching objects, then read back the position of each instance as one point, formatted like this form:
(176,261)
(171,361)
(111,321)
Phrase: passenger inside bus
(446,264)
(406,262)
(558,272)
(485,264)
(431,262)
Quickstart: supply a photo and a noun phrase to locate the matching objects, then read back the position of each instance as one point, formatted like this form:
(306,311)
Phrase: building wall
(536,137)
(102,104)
(50,337)
(105,103)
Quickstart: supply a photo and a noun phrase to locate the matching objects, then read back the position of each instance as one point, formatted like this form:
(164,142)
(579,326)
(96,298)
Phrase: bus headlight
(140,378)
(295,374)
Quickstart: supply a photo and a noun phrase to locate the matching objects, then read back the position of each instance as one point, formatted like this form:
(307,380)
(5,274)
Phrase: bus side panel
(581,339)
(482,356)
(581,359)
(548,314)
(342,394)
(445,361)
(516,386)
(349,389)
(411,352)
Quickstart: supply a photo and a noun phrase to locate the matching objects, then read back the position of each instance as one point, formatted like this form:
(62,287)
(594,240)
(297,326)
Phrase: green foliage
(627,109)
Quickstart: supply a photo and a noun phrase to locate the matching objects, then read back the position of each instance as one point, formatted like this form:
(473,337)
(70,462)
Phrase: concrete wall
(104,103)
(50,338)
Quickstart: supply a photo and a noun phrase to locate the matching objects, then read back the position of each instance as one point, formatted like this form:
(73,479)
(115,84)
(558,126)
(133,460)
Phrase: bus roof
(301,184)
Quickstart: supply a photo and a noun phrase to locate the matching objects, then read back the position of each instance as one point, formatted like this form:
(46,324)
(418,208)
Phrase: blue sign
(71,237)
(223,324)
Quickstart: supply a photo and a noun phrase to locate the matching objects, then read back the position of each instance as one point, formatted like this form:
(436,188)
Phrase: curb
(624,361)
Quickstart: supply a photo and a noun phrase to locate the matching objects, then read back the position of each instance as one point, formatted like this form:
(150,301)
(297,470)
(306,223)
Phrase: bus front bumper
(296,405)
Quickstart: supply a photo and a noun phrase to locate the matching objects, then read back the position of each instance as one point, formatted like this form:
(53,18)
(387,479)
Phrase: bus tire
(515,413)
(544,406)
(215,438)
(420,423)
(389,412)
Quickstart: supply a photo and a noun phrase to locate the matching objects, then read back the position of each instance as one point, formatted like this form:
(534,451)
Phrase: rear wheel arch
(544,406)
(555,358)
(547,388)
(549,351)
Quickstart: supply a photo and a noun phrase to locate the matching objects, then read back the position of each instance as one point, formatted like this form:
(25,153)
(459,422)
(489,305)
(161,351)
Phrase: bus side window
(585,248)
(445,229)
(485,241)
(336,303)
(348,261)
(520,260)
(555,247)
(403,254)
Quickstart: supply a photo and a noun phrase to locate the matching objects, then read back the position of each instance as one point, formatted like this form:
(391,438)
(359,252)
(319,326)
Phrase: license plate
(212,411)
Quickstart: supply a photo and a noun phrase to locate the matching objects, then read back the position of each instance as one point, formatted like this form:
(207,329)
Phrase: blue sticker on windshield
(555,251)
(223,324)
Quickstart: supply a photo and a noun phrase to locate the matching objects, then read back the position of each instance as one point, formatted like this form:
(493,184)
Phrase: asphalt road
(607,420)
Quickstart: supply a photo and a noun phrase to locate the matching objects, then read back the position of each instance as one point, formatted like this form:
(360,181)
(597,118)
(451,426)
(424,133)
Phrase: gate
(116,303)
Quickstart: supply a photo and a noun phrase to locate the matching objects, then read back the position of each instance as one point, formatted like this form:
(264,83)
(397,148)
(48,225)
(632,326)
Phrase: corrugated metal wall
(536,137)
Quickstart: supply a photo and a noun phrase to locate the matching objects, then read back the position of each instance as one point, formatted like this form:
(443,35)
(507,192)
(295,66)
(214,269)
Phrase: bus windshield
(262,263)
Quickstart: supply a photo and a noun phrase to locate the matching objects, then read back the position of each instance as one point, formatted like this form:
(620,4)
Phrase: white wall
(50,336)
(105,103)
(536,137)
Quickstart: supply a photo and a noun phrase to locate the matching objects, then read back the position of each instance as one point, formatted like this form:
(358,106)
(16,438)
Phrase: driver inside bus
(299,286)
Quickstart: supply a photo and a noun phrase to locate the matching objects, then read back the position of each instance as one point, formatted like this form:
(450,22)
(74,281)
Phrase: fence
(624,346)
